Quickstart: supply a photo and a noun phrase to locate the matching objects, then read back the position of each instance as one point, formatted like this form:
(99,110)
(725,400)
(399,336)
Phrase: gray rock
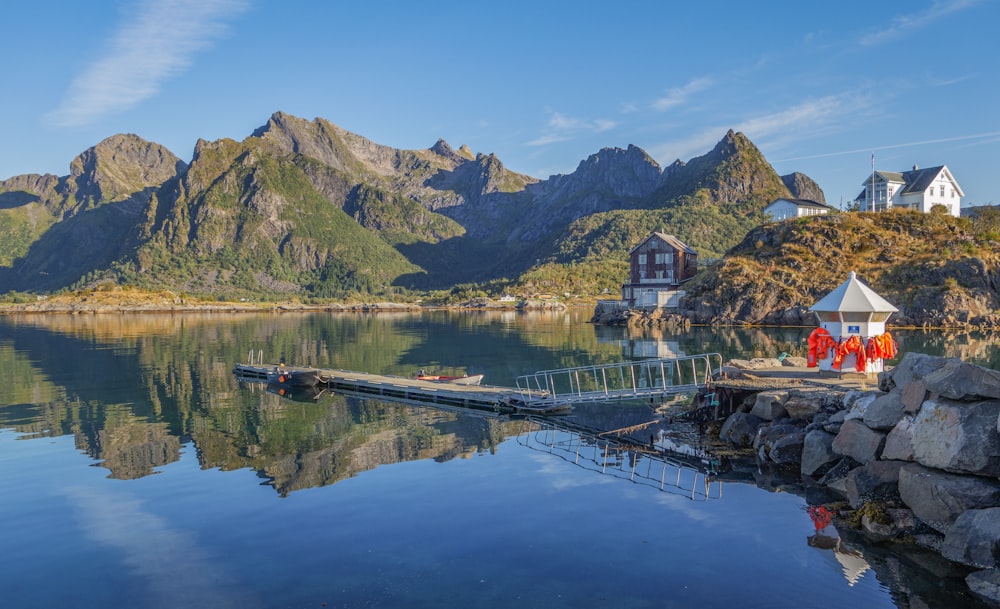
(833,428)
(857,402)
(817,452)
(787,449)
(858,442)
(974,539)
(835,479)
(958,436)
(767,435)
(938,498)
(794,361)
(960,380)
(902,519)
(801,406)
(899,442)
(985,584)
(876,530)
(770,405)
(878,480)
(838,417)
(916,366)
(884,412)
(914,394)
(740,429)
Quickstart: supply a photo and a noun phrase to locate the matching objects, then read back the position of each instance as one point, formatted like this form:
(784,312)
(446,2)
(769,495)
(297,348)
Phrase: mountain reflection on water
(147,394)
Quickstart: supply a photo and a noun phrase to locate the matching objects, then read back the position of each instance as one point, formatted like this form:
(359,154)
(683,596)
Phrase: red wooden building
(657,268)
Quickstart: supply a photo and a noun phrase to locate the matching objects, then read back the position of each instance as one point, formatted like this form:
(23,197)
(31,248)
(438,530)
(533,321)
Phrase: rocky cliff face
(803,187)
(121,166)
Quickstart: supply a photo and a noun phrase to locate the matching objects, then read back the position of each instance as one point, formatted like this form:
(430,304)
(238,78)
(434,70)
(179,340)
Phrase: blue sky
(817,87)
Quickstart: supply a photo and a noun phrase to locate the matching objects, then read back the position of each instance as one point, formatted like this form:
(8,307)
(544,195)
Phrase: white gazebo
(852,309)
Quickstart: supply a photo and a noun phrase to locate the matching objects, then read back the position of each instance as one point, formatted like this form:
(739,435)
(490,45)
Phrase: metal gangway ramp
(634,380)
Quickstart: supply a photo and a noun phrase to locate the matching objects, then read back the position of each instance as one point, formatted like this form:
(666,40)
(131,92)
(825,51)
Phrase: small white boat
(467,379)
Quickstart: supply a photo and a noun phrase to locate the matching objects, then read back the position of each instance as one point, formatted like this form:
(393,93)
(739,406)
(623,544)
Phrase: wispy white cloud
(905,24)
(561,128)
(157,41)
(801,121)
(679,95)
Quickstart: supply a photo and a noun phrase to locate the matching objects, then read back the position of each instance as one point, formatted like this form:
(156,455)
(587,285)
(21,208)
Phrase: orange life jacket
(815,353)
(851,345)
(820,343)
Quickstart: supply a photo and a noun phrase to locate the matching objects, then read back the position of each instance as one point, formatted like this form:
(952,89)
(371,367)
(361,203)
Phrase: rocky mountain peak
(628,172)
(466,152)
(442,149)
(803,187)
(121,166)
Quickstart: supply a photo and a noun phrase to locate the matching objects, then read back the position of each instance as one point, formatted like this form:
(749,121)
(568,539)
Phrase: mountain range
(309,209)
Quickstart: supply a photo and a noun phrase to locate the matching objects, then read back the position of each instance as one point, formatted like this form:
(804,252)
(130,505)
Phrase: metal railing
(641,379)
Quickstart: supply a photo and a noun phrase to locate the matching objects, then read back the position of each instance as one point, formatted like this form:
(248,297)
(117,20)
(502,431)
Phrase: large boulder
(787,450)
(884,412)
(878,480)
(985,584)
(958,436)
(817,452)
(960,380)
(858,442)
(740,429)
(914,366)
(974,539)
(938,498)
(803,406)
(770,405)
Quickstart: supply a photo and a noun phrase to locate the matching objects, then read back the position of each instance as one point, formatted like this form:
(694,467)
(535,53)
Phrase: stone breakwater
(918,459)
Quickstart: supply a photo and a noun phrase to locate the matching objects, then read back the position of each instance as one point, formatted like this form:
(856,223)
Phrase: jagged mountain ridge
(306,206)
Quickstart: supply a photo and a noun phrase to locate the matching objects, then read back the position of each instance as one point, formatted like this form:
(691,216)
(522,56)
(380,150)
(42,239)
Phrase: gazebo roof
(855,297)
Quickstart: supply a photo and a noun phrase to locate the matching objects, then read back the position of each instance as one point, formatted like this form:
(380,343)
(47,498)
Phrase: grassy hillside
(261,227)
(934,267)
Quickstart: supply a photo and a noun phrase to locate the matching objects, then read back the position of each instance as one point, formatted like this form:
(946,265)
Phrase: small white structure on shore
(851,334)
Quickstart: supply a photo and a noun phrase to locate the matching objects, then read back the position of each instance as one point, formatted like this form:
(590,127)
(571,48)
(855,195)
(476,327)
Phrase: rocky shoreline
(916,461)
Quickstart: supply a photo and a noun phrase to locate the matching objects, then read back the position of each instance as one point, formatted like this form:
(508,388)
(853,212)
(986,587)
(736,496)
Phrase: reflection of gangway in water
(641,379)
(690,475)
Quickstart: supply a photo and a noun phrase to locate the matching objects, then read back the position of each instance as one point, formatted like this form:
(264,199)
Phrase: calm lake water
(138,472)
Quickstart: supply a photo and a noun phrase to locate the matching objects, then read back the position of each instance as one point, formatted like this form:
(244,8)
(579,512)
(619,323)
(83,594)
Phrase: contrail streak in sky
(957,138)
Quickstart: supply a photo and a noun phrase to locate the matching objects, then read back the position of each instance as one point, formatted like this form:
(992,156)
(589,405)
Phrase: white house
(919,189)
(783,209)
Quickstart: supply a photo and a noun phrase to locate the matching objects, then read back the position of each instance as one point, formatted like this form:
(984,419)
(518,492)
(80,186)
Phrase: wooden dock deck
(477,397)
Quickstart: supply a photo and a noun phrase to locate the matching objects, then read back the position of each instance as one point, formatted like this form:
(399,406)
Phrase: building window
(659,257)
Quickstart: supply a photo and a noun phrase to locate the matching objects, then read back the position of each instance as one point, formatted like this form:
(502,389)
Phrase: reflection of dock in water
(675,469)
(661,462)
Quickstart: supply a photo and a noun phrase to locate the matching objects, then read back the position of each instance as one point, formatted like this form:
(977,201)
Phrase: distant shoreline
(82,306)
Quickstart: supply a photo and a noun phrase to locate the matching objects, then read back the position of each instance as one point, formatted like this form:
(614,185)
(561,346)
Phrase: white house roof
(916,180)
(800,203)
(853,296)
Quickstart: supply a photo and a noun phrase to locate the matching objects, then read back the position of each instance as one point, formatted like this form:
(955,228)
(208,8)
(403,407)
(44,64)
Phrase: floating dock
(545,392)
(398,388)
